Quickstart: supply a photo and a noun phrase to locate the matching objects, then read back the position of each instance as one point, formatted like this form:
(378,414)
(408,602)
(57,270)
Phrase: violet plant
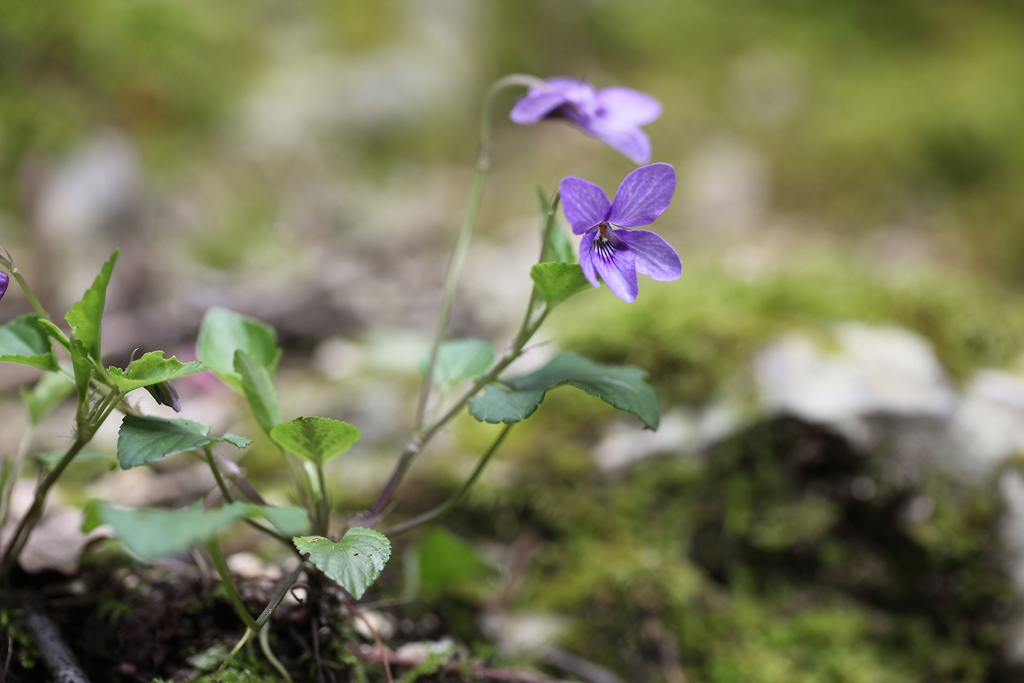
(351,549)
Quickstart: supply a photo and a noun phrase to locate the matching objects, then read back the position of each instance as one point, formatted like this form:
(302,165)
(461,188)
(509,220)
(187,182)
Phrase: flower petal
(587,258)
(616,265)
(632,142)
(535,105)
(585,204)
(625,107)
(643,195)
(541,102)
(654,256)
(4,280)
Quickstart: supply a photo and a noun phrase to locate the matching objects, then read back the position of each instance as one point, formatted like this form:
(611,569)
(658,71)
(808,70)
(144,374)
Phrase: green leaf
(258,386)
(24,341)
(499,404)
(316,439)
(55,333)
(144,439)
(83,368)
(448,563)
(558,248)
(51,458)
(461,359)
(86,317)
(556,282)
(50,390)
(152,369)
(290,521)
(223,332)
(153,533)
(354,562)
(622,386)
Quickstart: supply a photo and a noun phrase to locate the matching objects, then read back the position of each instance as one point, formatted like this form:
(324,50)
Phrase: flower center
(603,242)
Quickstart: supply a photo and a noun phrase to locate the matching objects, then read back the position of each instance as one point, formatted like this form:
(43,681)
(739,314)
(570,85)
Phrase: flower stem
(323,505)
(236,599)
(217,475)
(264,640)
(483,162)
(449,505)
(8,263)
(86,430)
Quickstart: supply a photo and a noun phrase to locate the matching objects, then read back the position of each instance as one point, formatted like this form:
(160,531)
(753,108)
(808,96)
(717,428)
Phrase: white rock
(526,633)
(874,370)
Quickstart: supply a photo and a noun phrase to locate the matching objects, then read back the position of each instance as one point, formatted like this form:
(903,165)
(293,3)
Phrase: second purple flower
(609,249)
(613,115)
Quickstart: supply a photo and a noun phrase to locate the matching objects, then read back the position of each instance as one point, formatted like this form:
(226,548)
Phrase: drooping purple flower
(612,115)
(4,281)
(609,249)
(164,394)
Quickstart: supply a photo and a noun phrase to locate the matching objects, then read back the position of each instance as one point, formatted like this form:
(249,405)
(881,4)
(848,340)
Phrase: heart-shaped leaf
(151,533)
(143,439)
(501,404)
(316,439)
(557,282)
(461,359)
(86,316)
(223,332)
(258,386)
(24,341)
(152,369)
(622,386)
(354,562)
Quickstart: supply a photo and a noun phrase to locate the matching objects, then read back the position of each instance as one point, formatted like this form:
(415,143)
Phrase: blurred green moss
(693,335)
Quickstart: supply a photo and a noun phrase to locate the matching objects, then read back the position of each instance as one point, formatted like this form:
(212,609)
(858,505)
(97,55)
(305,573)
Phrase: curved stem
(216,475)
(8,263)
(536,312)
(28,522)
(323,505)
(449,505)
(264,639)
(86,430)
(232,590)
(483,162)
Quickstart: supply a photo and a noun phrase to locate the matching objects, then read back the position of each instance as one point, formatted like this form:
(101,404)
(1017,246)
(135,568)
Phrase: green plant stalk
(217,475)
(483,163)
(85,433)
(222,485)
(234,651)
(449,505)
(29,294)
(536,313)
(301,485)
(28,522)
(264,639)
(323,505)
(8,490)
(236,599)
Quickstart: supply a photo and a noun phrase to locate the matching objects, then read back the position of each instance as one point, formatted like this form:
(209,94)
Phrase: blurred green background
(307,162)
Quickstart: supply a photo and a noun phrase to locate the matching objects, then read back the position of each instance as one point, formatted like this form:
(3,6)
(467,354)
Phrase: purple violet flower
(612,115)
(164,394)
(4,280)
(617,255)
